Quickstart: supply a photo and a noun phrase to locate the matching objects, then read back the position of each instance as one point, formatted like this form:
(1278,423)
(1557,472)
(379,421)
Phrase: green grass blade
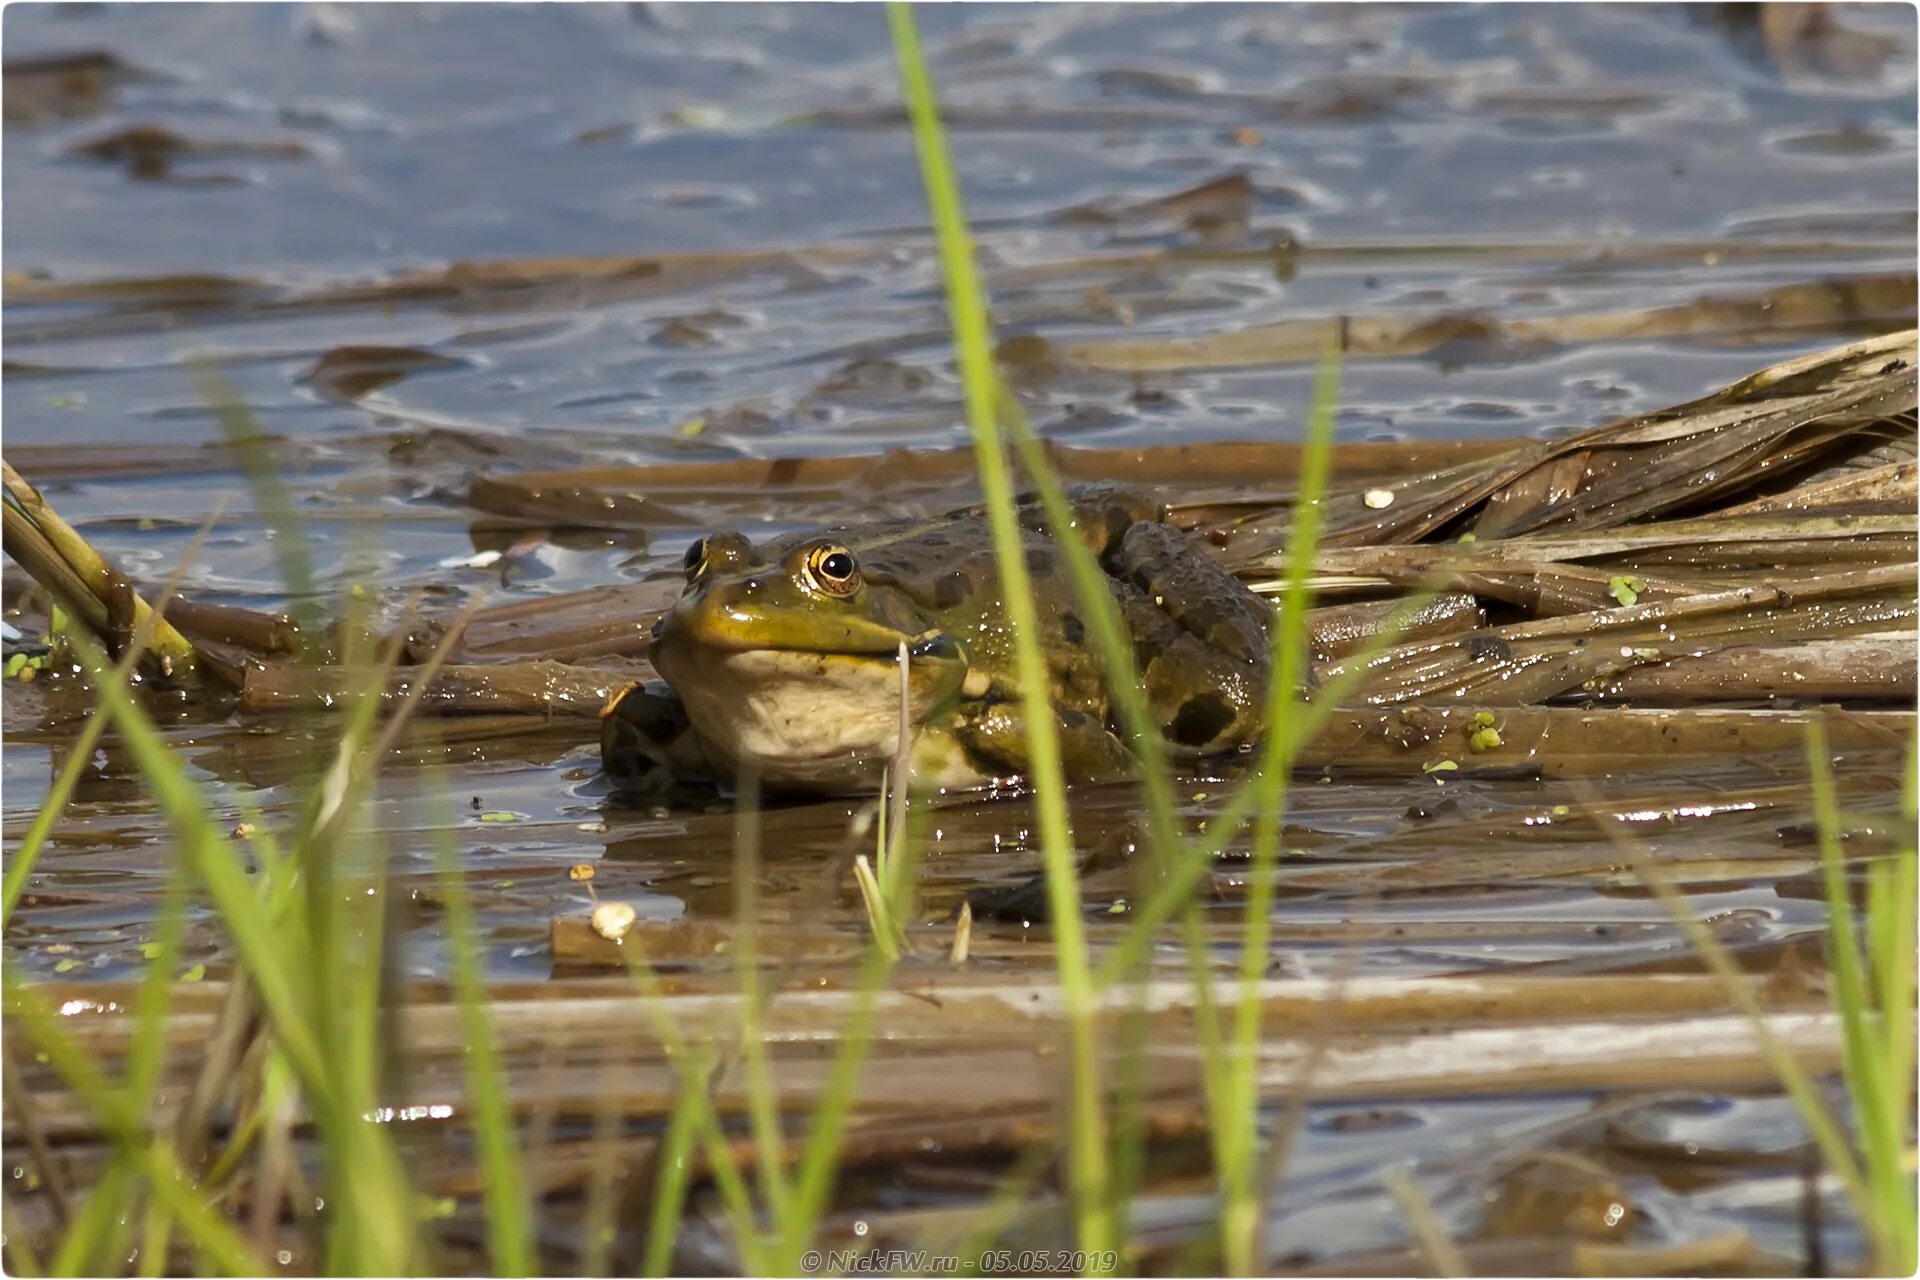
(291,551)
(1002,1209)
(1894,955)
(1239,1122)
(1442,1255)
(1879,1122)
(273,954)
(1895,973)
(763,1097)
(1863,1067)
(726,1177)
(1173,860)
(1792,1075)
(820,1156)
(27,855)
(1109,634)
(154,995)
(262,951)
(83,1249)
(819,1159)
(674,1165)
(509,1220)
(1170,897)
(147,1051)
(156,1239)
(210,1233)
(966,302)
(20,1257)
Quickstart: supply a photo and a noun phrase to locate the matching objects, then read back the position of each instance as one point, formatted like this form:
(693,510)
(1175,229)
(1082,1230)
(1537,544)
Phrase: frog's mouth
(788,709)
(724,622)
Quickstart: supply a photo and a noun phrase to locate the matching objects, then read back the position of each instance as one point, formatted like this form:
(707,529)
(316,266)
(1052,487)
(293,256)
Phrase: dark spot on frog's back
(949,589)
(1072,629)
(1200,719)
(1039,562)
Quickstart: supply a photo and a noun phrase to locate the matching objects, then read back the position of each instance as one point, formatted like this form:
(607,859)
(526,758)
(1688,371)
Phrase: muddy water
(605,234)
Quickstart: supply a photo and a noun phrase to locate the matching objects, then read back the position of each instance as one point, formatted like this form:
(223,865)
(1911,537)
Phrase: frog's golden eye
(833,570)
(696,559)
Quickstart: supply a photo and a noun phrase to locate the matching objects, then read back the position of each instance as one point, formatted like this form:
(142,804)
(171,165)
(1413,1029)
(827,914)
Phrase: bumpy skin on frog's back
(783,657)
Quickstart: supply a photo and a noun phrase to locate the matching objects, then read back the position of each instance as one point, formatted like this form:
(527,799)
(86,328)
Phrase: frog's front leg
(647,744)
(994,734)
(1200,637)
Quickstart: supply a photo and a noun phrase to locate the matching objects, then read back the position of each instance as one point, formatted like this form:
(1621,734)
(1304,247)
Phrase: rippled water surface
(1515,162)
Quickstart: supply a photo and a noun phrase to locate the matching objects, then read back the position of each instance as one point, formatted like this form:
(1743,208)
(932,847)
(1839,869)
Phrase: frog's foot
(1200,638)
(647,744)
(994,735)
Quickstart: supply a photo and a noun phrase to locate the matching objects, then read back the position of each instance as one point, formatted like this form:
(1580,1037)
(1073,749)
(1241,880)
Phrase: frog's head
(787,657)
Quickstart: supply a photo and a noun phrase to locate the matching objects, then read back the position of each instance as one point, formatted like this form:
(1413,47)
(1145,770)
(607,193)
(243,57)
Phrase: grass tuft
(1872,987)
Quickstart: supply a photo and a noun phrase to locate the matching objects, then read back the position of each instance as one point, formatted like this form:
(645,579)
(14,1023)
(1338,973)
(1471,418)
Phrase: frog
(813,659)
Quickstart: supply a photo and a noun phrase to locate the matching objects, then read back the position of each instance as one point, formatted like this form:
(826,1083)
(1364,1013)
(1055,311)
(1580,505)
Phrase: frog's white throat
(830,721)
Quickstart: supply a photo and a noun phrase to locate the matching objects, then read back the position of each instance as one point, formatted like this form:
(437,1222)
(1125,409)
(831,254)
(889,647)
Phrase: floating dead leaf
(874,379)
(351,372)
(1029,358)
(1601,103)
(1555,1194)
(682,332)
(149,152)
(1211,207)
(63,86)
(1149,82)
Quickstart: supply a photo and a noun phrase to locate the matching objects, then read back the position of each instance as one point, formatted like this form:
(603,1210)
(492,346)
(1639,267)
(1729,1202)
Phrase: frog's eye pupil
(833,570)
(696,557)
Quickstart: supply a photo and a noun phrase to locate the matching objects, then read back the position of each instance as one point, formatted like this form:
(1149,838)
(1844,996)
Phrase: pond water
(605,235)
